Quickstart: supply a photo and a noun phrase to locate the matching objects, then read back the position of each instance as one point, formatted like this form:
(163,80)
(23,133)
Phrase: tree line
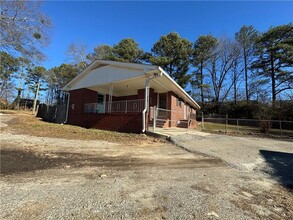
(223,74)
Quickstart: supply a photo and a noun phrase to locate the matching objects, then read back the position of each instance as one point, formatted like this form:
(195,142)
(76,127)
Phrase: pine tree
(203,49)
(173,53)
(274,51)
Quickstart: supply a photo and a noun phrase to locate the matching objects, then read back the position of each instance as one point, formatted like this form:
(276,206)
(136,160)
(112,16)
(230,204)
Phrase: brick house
(127,97)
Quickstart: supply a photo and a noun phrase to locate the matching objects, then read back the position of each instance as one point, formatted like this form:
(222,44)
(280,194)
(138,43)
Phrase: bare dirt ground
(70,178)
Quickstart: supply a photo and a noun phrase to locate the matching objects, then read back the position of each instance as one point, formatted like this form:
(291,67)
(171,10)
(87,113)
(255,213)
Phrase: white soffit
(106,74)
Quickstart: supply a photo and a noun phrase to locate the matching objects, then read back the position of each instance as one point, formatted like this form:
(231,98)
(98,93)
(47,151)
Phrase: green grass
(233,129)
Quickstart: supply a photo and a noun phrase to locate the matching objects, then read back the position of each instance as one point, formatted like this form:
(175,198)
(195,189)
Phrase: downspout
(143,120)
(146,101)
(67,107)
(146,97)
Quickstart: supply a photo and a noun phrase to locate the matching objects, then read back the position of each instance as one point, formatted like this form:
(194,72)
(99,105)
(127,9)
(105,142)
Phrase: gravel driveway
(54,178)
(274,157)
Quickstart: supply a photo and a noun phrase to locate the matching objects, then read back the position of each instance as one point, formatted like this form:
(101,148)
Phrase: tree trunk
(36,98)
(273,80)
(201,84)
(246,78)
(235,92)
(234,83)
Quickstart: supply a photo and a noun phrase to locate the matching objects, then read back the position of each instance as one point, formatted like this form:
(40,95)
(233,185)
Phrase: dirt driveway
(57,178)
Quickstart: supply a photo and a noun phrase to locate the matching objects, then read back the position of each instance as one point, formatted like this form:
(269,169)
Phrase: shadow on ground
(281,165)
(19,161)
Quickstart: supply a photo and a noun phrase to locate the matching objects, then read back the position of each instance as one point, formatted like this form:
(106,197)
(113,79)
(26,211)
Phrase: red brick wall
(77,99)
(130,122)
(177,112)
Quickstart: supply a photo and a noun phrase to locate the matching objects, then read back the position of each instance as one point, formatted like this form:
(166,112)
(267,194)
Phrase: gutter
(179,87)
(67,107)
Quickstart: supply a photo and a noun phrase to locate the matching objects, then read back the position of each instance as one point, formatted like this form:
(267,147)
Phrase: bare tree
(102,51)
(236,69)
(8,67)
(24,28)
(76,54)
(219,67)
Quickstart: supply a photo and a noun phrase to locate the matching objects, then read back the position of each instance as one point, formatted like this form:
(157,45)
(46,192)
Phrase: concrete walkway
(169,132)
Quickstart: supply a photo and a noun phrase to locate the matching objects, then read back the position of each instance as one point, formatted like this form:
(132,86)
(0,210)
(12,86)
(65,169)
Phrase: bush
(265,126)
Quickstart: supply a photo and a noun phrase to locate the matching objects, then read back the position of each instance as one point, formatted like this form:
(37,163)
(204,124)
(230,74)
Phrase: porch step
(182,124)
(159,123)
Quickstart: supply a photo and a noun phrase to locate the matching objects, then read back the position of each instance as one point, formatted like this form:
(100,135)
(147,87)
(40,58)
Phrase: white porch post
(147,94)
(110,98)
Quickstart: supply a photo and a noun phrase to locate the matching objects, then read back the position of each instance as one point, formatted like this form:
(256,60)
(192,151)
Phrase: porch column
(110,98)
(147,94)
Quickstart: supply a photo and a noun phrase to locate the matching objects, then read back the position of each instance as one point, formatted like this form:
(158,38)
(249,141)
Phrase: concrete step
(159,123)
(182,124)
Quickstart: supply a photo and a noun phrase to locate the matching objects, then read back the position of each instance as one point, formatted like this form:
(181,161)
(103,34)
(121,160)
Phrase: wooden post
(281,128)
(237,126)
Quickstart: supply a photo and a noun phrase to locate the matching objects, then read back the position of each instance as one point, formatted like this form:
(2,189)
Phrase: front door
(163,100)
(101,103)
(162,105)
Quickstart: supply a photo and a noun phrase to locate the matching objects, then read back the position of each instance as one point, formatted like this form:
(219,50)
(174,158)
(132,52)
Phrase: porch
(108,88)
(174,113)
(126,106)
(160,119)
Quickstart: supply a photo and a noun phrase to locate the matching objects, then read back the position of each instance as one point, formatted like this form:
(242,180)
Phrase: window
(100,98)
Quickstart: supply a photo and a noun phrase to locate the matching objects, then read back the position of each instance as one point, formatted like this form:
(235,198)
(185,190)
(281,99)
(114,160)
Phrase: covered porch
(127,91)
(129,95)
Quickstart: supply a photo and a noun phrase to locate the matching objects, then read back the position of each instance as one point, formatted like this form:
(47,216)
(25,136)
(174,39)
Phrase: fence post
(202,121)
(237,126)
(126,106)
(281,128)
(226,123)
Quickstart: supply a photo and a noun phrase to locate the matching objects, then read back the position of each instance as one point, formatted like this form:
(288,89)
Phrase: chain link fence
(248,126)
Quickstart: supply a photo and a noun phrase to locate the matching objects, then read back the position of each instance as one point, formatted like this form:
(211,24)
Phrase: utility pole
(36,98)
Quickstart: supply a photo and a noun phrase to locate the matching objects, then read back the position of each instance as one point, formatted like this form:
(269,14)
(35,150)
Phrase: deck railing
(124,106)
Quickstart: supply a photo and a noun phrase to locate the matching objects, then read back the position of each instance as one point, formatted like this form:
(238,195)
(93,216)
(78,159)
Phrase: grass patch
(242,130)
(30,125)
(13,112)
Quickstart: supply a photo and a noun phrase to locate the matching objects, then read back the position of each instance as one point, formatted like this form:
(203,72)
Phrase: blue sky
(93,23)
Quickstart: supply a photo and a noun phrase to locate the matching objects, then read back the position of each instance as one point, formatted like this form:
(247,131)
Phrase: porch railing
(124,106)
